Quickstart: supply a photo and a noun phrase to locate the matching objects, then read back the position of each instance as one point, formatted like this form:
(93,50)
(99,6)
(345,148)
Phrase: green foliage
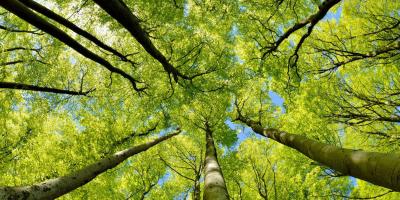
(45,135)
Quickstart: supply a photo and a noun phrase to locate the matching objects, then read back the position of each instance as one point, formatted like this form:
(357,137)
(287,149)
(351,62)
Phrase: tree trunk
(57,187)
(214,183)
(196,190)
(381,169)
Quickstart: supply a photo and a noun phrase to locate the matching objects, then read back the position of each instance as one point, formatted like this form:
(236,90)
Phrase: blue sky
(334,15)
(276,99)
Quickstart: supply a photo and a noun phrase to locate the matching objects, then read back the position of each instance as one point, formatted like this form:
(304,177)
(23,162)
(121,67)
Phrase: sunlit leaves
(45,135)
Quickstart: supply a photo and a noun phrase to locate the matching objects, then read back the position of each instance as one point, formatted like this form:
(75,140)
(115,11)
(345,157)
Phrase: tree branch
(26,14)
(21,86)
(312,20)
(19,31)
(120,12)
(54,16)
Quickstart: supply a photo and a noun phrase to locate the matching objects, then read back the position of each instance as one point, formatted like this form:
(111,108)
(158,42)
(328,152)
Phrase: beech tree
(198,99)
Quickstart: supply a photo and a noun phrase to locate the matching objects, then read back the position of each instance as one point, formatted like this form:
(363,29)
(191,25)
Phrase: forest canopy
(199,99)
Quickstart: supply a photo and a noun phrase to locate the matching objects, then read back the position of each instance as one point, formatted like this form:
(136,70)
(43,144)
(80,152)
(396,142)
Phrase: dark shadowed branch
(21,86)
(26,14)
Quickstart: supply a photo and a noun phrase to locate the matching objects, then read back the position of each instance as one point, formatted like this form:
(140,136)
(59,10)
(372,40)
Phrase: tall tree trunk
(214,183)
(57,187)
(382,169)
(196,190)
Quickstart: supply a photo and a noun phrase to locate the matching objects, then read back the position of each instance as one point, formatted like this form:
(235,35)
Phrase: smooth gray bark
(381,169)
(57,187)
(214,183)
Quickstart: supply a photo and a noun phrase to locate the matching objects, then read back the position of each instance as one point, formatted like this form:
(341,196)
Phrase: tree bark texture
(381,169)
(57,187)
(214,183)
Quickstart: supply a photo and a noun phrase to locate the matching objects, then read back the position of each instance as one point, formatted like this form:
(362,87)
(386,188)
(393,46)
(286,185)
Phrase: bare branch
(312,20)
(20,86)
(120,12)
(36,32)
(26,14)
(54,16)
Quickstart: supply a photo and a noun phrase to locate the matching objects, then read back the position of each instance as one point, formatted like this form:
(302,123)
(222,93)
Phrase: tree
(54,188)
(377,168)
(186,159)
(242,80)
(214,182)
